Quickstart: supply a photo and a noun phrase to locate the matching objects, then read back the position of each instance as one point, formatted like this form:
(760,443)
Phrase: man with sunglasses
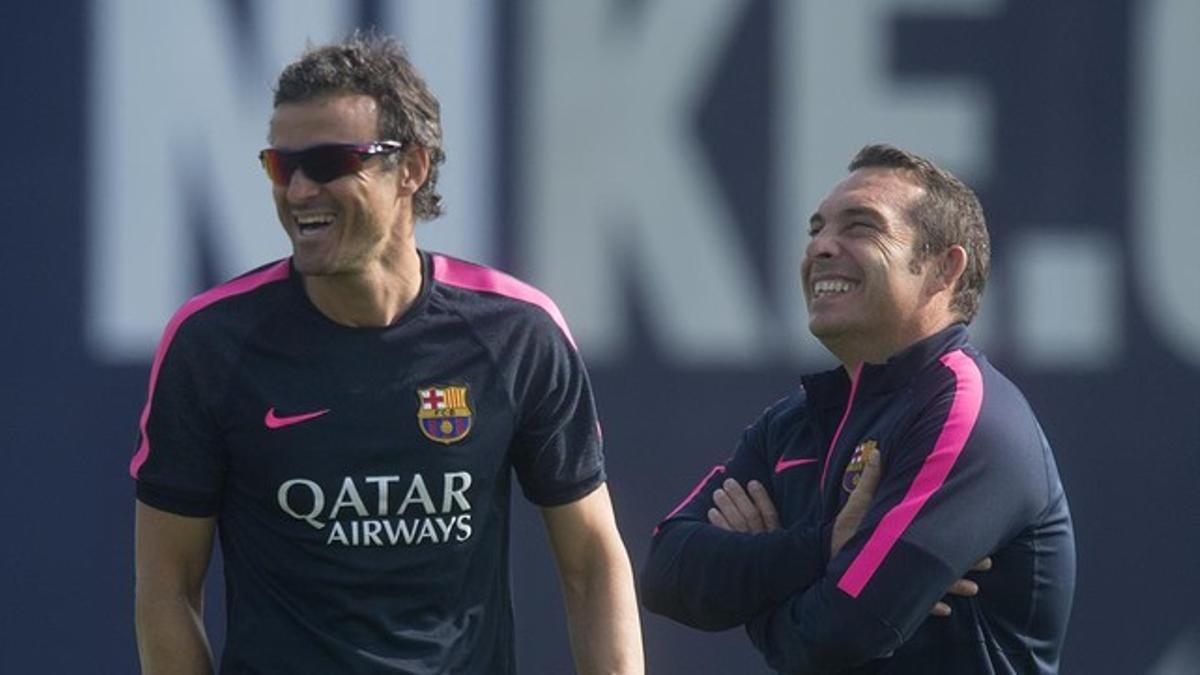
(347,420)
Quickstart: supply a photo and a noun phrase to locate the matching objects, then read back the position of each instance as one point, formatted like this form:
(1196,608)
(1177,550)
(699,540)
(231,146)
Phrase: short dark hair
(377,66)
(948,214)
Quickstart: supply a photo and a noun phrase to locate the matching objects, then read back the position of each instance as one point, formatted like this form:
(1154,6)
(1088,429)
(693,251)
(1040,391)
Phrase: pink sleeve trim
(276,272)
(453,272)
(964,411)
(720,468)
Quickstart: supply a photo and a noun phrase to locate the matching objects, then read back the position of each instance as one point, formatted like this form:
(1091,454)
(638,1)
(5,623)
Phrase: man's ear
(948,268)
(413,169)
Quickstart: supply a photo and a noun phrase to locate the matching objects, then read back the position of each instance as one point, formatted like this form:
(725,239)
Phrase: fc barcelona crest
(858,462)
(443,413)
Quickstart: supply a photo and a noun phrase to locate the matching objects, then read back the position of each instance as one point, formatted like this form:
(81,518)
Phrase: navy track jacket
(967,473)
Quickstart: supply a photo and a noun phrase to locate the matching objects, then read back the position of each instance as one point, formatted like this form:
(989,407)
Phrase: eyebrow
(818,219)
(862,211)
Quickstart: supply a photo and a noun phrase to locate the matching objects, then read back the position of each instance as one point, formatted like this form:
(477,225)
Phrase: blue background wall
(650,165)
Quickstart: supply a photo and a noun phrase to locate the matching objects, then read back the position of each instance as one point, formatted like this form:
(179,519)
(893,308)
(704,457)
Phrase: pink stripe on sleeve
(462,274)
(692,495)
(964,411)
(275,272)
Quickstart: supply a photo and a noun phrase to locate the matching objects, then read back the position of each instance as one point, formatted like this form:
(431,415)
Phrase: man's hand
(736,511)
(851,516)
(963,587)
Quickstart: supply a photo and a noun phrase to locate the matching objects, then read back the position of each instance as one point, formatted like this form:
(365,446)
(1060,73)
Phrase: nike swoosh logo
(785,464)
(273,421)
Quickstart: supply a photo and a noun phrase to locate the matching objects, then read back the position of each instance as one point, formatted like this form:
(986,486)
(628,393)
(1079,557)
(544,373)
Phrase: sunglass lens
(329,162)
(279,165)
(321,164)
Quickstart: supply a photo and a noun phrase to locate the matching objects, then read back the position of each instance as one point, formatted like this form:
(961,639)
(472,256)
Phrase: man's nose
(301,187)
(821,245)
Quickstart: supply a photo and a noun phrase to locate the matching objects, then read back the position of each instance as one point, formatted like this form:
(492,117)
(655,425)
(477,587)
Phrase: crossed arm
(751,510)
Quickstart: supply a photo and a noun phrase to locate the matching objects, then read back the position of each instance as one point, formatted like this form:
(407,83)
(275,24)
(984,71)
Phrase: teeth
(827,286)
(309,223)
(314,219)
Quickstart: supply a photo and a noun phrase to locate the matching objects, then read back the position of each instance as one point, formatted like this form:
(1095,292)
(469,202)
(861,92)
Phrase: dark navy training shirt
(967,473)
(360,476)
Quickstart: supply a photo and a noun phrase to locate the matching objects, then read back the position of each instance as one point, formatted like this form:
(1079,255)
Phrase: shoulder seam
(482,279)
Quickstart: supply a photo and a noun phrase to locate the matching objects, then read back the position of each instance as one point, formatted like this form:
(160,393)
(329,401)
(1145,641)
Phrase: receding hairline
(890,199)
(324,99)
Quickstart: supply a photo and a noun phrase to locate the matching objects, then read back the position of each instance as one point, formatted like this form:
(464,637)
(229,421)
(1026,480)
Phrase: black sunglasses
(322,163)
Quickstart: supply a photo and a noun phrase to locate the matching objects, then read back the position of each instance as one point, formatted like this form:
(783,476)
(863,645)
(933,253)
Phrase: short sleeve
(179,465)
(557,451)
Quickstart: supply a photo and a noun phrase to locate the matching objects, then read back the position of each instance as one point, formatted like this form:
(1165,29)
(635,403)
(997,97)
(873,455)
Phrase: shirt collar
(831,388)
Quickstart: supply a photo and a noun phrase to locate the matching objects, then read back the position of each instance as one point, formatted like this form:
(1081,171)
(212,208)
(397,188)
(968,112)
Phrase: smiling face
(351,223)
(867,297)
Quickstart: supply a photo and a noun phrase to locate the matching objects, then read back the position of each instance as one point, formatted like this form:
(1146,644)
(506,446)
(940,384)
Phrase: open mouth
(310,224)
(832,287)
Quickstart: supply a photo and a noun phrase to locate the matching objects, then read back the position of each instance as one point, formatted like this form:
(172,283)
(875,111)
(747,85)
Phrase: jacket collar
(830,389)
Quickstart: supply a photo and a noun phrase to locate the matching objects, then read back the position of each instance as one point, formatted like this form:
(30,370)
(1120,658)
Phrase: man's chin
(824,328)
(830,332)
(310,267)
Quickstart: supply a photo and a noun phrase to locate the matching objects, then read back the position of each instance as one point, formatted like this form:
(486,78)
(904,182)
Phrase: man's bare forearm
(171,561)
(602,616)
(597,581)
(171,637)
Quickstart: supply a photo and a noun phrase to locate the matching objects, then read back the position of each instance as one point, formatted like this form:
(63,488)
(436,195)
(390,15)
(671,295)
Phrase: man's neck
(375,297)
(853,351)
